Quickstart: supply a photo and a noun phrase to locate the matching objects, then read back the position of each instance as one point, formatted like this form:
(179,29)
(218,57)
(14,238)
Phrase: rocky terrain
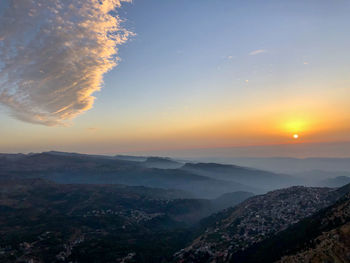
(330,246)
(256,219)
(322,237)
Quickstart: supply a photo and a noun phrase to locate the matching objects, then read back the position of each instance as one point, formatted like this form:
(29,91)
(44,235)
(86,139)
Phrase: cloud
(257,52)
(53,54)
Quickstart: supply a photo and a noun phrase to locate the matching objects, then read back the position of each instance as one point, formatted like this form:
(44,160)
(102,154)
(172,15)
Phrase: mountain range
(202,180)
(69,207)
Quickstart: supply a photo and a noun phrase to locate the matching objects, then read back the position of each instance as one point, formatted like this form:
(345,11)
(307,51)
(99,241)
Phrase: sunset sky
(191,75)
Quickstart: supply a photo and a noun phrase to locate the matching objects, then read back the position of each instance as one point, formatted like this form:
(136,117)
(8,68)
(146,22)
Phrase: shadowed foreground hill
(323,237)
(228,236)
(48,222)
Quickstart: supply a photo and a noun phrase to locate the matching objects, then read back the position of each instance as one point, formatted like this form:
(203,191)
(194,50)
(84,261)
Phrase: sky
(155,76)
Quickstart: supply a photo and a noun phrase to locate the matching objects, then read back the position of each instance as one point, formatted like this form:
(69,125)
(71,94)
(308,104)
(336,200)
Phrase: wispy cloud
(257,52)
(53,56)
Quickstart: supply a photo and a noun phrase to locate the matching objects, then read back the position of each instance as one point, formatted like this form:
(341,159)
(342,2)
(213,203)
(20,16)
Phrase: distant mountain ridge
(293,165)
(247,176)
(91,169)
(199,178)
(336,182)
(161,163)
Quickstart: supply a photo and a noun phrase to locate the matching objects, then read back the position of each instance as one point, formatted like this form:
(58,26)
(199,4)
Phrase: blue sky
(196,68)
(191,52)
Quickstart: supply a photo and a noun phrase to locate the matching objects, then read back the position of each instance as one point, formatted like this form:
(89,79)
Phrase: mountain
(228,232)
(317,175)
(161,163)
(332,246)
(247,176)
(322,237)
(293,165)
(41,221)
(323,178)
(68,207)
(130,158)
(90,169)
(336,182)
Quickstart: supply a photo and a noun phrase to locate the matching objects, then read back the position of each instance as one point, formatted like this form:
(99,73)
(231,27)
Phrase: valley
(66,207)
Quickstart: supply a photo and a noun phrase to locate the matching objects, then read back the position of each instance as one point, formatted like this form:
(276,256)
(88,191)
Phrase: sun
(294,127)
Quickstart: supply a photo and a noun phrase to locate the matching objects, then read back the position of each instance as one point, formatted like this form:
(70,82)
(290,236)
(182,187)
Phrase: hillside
(331,246)
(48,222)
(254,220)
(323,237)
